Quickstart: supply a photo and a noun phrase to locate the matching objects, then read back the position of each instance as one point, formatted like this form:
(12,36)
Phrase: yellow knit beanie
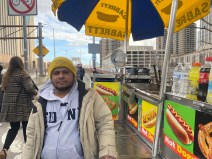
(59,62)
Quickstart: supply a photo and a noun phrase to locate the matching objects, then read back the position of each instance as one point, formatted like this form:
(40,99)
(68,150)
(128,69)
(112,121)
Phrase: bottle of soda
(176,77)
(204,79)
(184,83)
(209,95)
(193,77)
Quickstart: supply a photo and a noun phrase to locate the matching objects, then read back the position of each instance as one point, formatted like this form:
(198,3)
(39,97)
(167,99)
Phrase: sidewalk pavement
(16,147)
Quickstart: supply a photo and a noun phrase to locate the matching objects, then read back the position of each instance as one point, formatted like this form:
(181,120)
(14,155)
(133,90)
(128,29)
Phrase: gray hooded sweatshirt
(62,140)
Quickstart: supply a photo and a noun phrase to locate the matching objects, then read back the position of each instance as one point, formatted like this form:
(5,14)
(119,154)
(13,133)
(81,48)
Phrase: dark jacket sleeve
(83,71)
(1,76)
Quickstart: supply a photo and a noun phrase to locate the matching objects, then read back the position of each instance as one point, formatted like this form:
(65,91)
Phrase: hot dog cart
(193,116)
(135,115)
(96,77)
(125,135)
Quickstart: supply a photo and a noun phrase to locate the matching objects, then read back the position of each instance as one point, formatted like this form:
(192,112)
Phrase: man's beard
(63,89)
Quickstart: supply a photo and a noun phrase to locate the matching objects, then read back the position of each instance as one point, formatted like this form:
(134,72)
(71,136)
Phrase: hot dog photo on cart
(110,92)
(179,126)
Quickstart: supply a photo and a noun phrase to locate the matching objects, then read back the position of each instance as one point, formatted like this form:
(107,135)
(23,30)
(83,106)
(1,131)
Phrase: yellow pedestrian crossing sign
(44,50)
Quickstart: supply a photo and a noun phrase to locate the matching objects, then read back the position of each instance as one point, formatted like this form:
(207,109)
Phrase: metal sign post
(25,44)
(40,48)
(23,8)
(93,49)
(94,60)
(94,55)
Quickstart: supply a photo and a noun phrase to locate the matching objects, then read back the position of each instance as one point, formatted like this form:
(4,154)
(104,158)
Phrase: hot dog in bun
(149,118)
(111,105)
(107,17)
(103,90)
(133,108)
(180,128)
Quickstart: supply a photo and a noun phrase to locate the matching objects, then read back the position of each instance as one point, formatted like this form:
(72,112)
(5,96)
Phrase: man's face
(62,79)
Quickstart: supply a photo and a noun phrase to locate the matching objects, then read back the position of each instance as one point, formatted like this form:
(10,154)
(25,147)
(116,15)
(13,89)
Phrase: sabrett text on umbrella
(105,31)
(158,1)
(115,8)
(192,14)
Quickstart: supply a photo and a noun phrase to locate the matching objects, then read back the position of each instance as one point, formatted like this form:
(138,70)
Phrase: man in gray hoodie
(70,122)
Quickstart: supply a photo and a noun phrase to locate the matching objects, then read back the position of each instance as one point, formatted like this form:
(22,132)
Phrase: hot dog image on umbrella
(107,17)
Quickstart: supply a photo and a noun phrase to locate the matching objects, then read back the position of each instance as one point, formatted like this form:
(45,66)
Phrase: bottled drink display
(204,79)
(193,77)
(176,77)
(209,95)
(183,81)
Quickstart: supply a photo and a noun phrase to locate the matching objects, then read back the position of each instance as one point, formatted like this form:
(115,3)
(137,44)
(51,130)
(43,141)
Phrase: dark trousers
(12,132)
(81,78)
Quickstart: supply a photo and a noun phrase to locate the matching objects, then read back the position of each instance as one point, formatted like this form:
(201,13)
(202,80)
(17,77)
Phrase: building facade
(107,46)
(14,47)
(187,39)
(205,36)
(161,41)
(184,42)
(144,56)
(138,56)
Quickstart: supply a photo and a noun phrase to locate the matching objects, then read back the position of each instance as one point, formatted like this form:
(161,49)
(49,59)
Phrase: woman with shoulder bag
(19,90)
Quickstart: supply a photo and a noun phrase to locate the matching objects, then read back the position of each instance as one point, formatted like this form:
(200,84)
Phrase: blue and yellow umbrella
(146,18)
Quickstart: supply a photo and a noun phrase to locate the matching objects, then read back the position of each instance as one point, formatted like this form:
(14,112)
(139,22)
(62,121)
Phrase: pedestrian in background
(94,70)
(80,72)
(19,90)
(70,122)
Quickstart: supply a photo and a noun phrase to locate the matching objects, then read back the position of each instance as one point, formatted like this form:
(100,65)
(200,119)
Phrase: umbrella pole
(125,38)
(164,77)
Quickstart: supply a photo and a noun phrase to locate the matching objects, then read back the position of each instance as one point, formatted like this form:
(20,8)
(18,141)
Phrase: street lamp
(54,43)
(66,52)
(78,52)
(53,37)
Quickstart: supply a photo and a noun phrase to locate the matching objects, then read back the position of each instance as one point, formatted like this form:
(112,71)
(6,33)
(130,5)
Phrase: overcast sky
(67,39)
